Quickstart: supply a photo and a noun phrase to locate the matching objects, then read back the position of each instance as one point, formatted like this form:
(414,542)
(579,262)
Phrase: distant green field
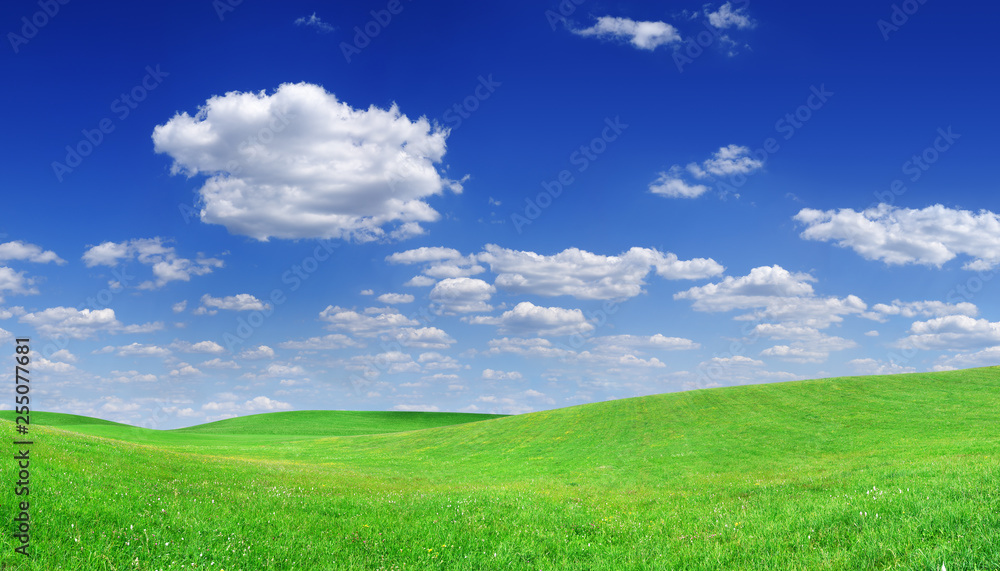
(884,472)
(258,429)
(335,423)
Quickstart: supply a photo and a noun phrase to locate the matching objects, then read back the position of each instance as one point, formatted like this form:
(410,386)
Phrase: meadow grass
(882,472)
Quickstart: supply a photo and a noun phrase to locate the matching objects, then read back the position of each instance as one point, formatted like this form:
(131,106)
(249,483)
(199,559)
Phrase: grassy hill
(257,429)
(334,423)
(887,472)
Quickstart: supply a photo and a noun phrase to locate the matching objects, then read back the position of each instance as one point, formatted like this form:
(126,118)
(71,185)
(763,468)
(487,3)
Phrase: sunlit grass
(895,472)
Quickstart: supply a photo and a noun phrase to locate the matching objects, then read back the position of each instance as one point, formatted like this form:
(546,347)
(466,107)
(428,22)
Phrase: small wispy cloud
(642,35)
(314,21)
(727,17)
(728,161)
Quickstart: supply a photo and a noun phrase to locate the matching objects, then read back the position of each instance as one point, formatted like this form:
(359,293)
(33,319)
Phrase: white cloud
(740,369)
(259,352)
(420,281)
(416,408)
(876,367)
(619,343)
(395,298)
(440,263)
(324,169)
(528,318)
(726,17)
(731,160)
(238,302)
(115,404)
(137,350)
(367,292)
(958,332)
(670,184)
(179,306)
(615,360)
(109,253)
(921,309)
(313,21)
(43,365)
(8,312)
(389,362)
(536,347)
(15,282)
(931,236)
(424,338)
(219,364)
(364,325)
(795,354)
(132,376)
(185,370)
(208,347)
(754,289)
(777,294)
(436,361)
(423,255)
(462,267)
(81,323)
(809,345)
(282,370)
(492,375)
(64,355)
(165,263)
(585,275)
(324,343)
(18,250)
(728,161)
(462,295)
(642,35)
(988,357)
(254,405)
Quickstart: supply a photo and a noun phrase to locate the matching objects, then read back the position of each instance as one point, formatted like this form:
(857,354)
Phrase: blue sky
(219,208)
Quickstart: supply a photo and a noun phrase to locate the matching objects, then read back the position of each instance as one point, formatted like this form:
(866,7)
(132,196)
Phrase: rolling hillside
(888,472)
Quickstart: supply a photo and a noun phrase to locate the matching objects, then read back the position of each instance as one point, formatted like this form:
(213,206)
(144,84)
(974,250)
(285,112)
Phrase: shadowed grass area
(885,472)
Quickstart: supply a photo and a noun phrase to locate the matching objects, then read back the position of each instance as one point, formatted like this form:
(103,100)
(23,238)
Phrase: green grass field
(885,472)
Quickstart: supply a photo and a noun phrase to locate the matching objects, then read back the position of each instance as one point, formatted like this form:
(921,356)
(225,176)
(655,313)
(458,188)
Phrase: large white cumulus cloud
(299,163)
